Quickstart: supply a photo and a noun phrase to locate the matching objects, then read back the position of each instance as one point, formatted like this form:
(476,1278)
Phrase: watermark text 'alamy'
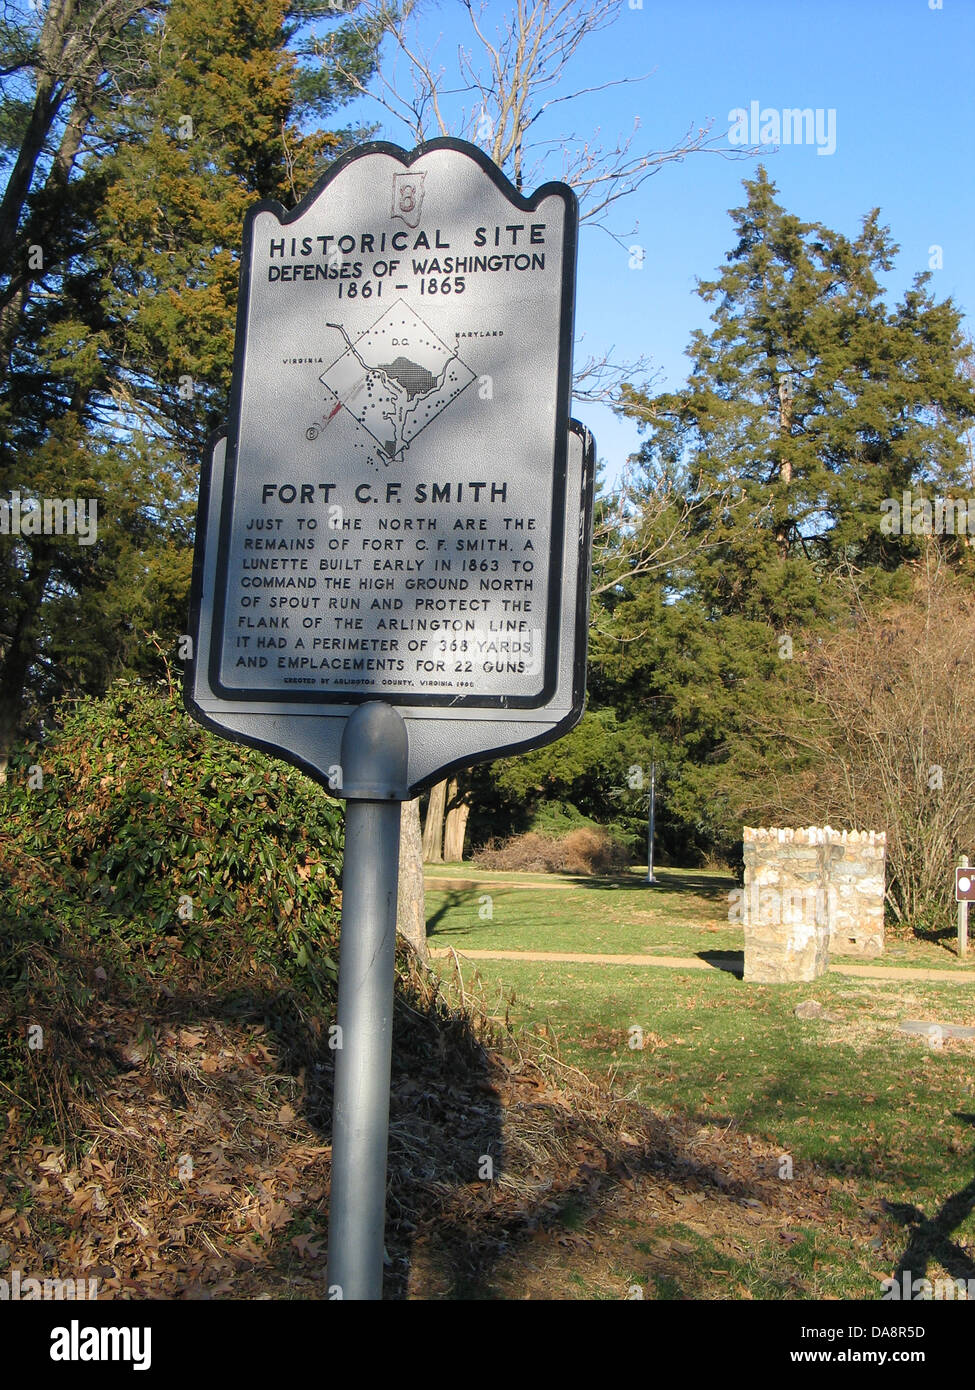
(49,516)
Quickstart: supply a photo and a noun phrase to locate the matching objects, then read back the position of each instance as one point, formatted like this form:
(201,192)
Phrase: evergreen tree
(809,402)
(120,342)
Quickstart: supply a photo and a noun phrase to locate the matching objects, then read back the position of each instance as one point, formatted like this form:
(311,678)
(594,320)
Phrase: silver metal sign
(391,575)
(400,510)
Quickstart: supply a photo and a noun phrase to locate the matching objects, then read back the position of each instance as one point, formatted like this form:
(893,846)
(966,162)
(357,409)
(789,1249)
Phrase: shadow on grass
(668,881)
(731,961)
(702,885)
(945,937)
(453,899)
(450,1234)
(459,1095)
(930,1237)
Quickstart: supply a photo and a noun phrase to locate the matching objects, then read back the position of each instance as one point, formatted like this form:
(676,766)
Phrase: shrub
(582,851)
(156,856)
(593,852)
(878,731)
(150,828)
(528,853)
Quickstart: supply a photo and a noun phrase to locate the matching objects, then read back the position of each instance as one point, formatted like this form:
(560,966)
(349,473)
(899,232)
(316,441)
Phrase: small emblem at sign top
(407,197)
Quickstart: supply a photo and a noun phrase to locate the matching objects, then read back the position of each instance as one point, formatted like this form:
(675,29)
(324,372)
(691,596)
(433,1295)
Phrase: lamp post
(650,878)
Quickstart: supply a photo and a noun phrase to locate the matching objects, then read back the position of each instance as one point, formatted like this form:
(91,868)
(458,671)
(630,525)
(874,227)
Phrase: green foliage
(558,817)
(153,843)
(809,401)
(874,1109)
(327,61)
(116,349)
(580,780)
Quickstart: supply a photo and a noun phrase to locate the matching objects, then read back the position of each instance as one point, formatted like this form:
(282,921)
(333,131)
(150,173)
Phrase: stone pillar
(785,906)
(855,889)
(809,893)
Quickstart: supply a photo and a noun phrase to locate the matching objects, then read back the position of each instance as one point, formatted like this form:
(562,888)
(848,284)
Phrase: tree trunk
(16,295)
(73,53)
(42,117)
(433,829)
(17,653)
(456,828)
(60,32)
(410,903)
(785,463)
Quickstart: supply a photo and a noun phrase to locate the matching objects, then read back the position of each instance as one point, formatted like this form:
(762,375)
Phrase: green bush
(558,818)
(153,844)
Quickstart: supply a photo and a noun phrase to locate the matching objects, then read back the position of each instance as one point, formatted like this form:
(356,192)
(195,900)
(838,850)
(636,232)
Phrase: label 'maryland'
(393,508)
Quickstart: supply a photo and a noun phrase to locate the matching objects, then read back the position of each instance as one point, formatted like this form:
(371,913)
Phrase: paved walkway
(869,972)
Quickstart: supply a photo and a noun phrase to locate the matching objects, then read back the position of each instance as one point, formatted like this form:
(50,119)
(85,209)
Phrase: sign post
(391,576)
(374,763)
(964,894)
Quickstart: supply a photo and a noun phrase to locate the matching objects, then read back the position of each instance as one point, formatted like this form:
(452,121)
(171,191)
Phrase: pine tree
(120,342)
(808,403)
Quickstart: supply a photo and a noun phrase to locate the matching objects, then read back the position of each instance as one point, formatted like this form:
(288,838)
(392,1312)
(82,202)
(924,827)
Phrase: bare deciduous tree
(54,69)
(499,90)
(649,523)
(882,725)
(505,91)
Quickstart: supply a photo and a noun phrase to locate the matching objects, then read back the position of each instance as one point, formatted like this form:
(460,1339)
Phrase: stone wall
(809,892)
(856,880)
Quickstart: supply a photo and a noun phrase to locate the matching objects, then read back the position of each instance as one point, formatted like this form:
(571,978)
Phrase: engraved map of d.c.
(393,379)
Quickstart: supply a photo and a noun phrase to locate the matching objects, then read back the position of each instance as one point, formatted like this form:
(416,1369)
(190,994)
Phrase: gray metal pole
(650,824)
(373,774)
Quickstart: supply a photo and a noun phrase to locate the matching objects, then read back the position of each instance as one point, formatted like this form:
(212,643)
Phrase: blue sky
(897,74)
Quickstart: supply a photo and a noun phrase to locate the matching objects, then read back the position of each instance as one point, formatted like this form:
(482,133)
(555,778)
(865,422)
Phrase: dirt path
(870,972)
(435,880)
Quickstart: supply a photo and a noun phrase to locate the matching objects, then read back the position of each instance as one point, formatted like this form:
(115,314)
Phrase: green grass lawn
(601,915)
(890,1117)
(686,915)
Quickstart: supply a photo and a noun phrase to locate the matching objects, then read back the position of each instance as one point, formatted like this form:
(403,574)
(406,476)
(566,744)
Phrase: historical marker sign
(400,510)
(391,575)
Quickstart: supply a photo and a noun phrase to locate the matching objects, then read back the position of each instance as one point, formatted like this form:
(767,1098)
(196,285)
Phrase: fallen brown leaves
(168,1197)
(199,1165)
